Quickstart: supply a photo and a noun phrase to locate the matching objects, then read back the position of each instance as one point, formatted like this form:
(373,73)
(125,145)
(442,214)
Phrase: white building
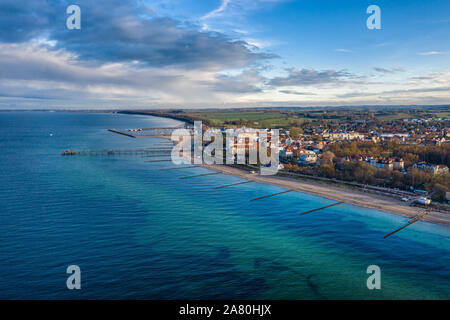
(307,157)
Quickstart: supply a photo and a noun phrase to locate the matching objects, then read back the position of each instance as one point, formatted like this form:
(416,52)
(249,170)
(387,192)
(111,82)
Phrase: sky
(140,54)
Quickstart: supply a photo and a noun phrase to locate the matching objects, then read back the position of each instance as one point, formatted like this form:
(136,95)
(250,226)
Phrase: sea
(138,232)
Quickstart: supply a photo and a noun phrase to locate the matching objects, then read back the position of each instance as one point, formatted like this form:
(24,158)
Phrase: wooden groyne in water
(321,208)
(123,133)
(234,184)
(410,222)
(401,228)
(271,195)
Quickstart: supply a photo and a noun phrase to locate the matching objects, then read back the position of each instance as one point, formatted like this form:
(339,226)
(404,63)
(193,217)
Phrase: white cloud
(431,53)
(343,50)
(217,11)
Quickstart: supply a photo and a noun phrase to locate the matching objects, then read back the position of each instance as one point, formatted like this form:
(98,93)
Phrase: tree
(440,192)
(410,159)
(328,157)
(295,132)
(328,170)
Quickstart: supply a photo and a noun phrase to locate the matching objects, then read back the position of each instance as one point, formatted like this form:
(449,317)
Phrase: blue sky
(223,53)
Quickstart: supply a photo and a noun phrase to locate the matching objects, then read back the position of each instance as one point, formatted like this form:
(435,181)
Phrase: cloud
(126,55)
(382,70)
(395,92)
(431,53)
(343,50)
(30,71)
(217,11)
(248,81)
(310,77)
(24,21)
(238,8)
(389,71)
(435,77)
(36,63)
(124,31)
(419,90)
(299,93)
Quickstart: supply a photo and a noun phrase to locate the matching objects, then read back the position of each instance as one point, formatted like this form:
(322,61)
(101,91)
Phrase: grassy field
(288,118)
(255,118)
(413,114)
(233,116)
(293,117)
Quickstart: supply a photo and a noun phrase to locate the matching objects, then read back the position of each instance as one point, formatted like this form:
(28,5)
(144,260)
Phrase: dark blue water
(139,232)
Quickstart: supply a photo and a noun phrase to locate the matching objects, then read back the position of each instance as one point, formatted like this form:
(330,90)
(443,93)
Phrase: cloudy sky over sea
(223,53)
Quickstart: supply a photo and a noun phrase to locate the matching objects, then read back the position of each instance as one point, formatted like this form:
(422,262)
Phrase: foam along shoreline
(322,189)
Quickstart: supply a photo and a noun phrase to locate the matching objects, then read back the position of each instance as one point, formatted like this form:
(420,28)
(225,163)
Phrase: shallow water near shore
(141,233)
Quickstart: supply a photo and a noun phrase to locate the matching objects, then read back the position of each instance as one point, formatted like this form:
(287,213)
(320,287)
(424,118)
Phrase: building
(319,145)
(355,158)
(399,164)
(433,168)
(307,157)
(287,152)
(343,136)
(382,163)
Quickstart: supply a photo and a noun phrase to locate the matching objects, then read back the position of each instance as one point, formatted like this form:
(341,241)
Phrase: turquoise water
(139,232)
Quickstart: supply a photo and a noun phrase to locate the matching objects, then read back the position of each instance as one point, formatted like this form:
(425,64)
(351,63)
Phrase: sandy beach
(338,193)
(326,190)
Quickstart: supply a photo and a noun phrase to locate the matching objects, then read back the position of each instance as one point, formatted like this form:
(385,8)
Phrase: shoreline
(322,189)
(338,193)
(358,198)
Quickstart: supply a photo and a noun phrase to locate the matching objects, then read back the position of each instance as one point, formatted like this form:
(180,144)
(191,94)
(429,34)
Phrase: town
(397,149)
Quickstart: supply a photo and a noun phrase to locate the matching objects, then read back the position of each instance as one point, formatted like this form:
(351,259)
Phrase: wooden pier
(109,152)
(271,195)
(321,208)
(168,128)
(233,184)
(154,156)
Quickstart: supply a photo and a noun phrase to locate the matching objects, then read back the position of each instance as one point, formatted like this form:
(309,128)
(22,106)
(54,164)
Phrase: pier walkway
(109,152)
